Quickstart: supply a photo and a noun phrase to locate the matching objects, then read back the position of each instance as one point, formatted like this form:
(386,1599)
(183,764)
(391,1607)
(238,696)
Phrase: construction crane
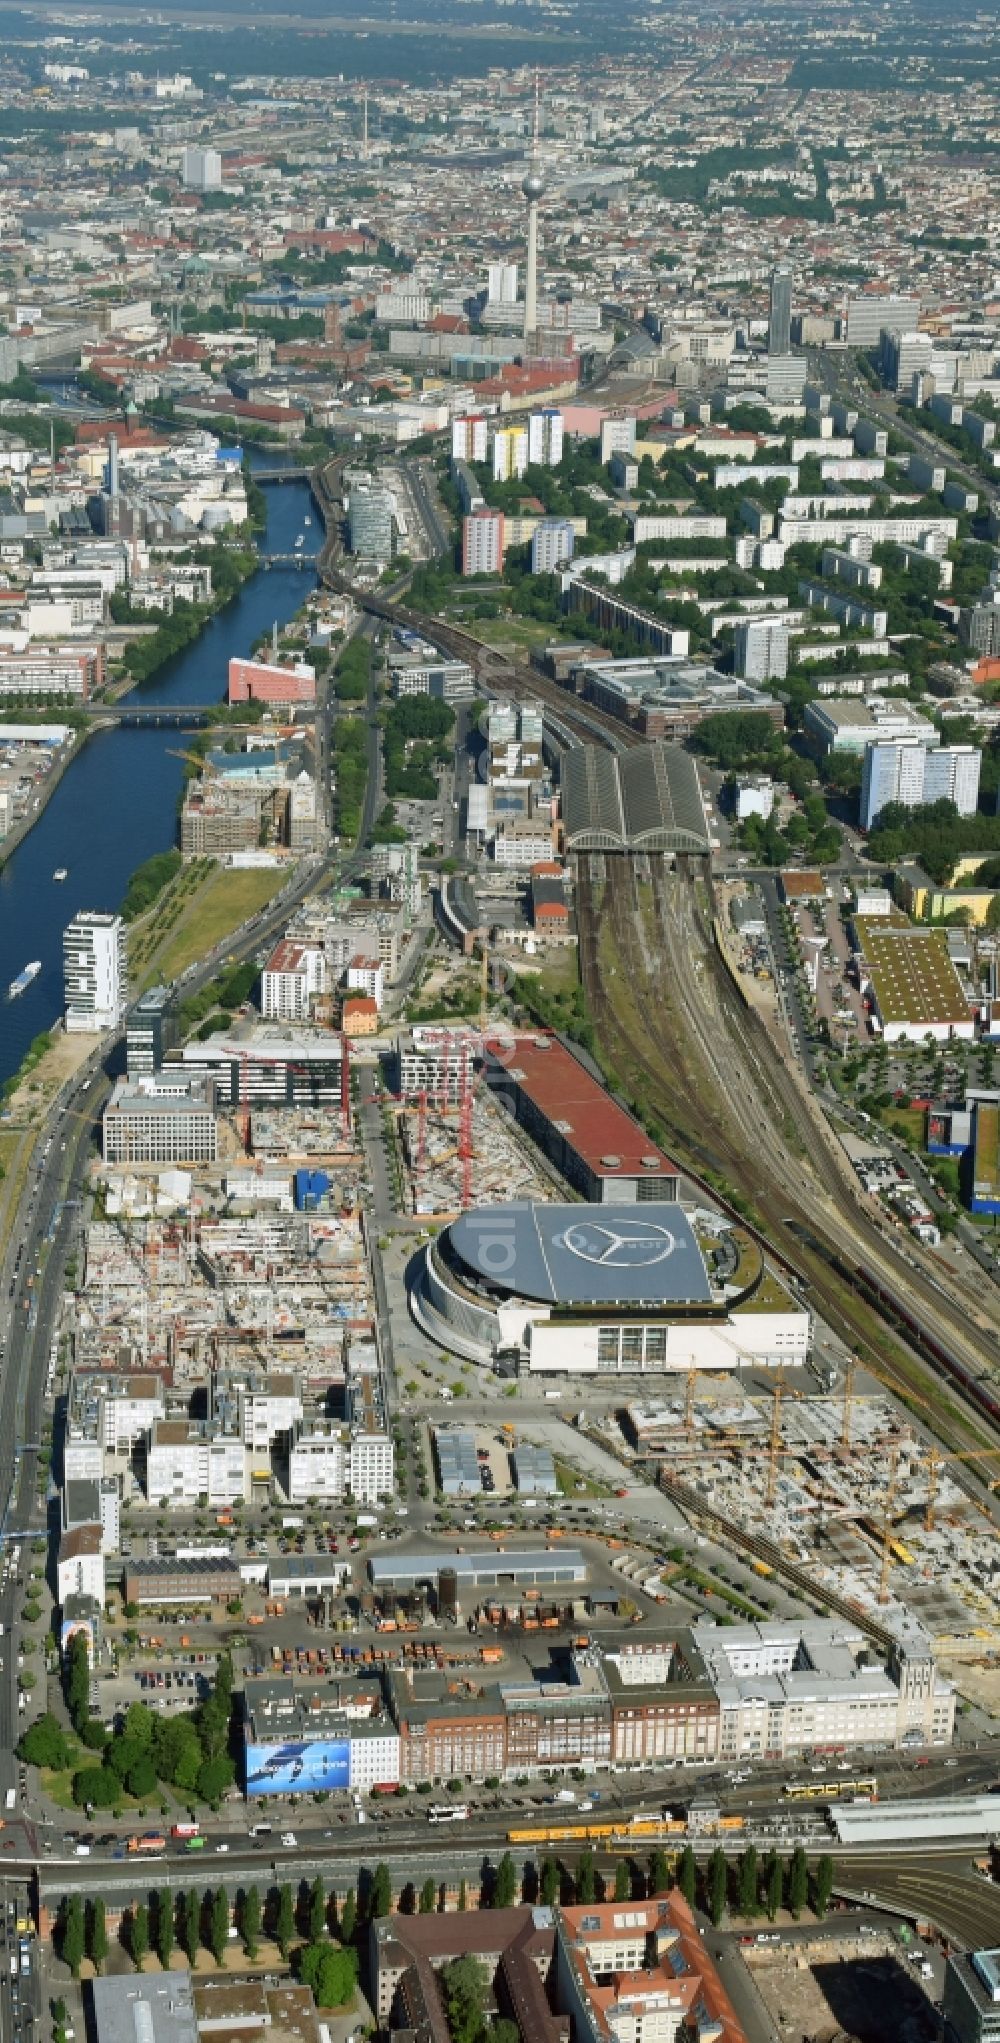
(934,1461)
(775,1444)
(200,760)
(849,1375)
(890,1498)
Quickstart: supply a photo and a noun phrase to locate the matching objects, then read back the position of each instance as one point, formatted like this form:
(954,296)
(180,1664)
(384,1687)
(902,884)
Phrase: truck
(150,1841)
(564,1795)
(10,1799)
(184,1829)
(292,1524)
(198,1843)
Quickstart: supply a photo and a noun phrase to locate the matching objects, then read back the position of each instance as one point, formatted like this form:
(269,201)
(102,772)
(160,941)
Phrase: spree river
(117,802)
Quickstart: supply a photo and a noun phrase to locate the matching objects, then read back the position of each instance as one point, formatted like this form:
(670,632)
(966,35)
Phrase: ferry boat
(61,872)
(307,520)
(24,979)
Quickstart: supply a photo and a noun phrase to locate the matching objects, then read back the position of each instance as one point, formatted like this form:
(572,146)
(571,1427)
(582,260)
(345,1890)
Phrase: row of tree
(190,1752)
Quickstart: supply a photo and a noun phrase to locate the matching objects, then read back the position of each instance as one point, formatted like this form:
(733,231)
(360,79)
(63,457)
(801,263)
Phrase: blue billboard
(298,1767)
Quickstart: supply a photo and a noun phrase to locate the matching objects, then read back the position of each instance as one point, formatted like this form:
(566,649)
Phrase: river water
(117,803)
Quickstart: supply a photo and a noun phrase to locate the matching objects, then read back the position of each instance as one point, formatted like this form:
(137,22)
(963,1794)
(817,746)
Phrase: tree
(215,1775)
(191,1924)
(97,1933)
(165,1927)
(659,1871)
(141,1778)
(380,1893)
(138,1934)
(348,1918)
(284,1927)
(44,1744)
(823,1885)
(73,1940)
(464,1986)
(218,1925)
(316,1911)
(687,1875)
(428,1897)
(548,1885)
(623,1881)
(96,1787)
(798,1882)
(586,1877)
(331,1973)
(249,1921)
(505,1886)
(748,1880)
(774,1885)
(463,1897)
(717,1885)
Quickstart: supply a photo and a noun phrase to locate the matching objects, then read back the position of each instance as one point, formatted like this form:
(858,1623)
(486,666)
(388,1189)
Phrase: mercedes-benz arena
(586,1290)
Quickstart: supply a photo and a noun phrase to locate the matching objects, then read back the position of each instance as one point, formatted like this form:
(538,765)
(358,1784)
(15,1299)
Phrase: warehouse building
(909,978)
(626,1290)
(500,1568)
(594,1144)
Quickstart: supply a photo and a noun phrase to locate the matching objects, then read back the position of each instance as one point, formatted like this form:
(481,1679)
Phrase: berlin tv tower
(532,186)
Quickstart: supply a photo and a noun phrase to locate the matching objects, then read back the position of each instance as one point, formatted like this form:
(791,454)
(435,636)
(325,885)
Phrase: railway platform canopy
(644,800)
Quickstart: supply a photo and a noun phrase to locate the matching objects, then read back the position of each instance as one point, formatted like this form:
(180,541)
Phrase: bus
(830,1791)
(184,1830)
(448,1812)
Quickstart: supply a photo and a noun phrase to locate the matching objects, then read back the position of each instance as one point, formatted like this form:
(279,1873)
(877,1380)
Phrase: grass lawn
(515,631)
(225,899)
(561,973)
(909,1122)
(572,1483)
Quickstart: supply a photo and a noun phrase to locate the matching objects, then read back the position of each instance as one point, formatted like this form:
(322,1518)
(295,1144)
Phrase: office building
(552,542)
(95,972)
(639,1972)
(191,1458)
(871,314)
(545,438)
(785,379)
(849,724)
(201,170)
(906,771)
(903,356)
(469,437)
(761,650)
(371,522)
(779,325)
(483,543)
(150,1031)
(142,1124)
(971,2000)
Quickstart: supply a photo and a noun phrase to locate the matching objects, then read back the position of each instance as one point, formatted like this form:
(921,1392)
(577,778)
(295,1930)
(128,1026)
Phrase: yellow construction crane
(197,759)
(890,1498)
(775,1445)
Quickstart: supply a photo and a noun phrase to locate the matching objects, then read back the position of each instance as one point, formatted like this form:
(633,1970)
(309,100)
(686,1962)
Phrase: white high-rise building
(201,170)
(545,437)
(760,650)
(95,973)
(468,437)
(905,770)
(501,281)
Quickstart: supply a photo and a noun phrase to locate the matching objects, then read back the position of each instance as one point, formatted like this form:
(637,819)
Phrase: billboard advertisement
(298,1767)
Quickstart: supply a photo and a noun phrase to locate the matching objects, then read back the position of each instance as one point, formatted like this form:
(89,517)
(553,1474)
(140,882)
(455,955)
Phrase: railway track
(674,1026)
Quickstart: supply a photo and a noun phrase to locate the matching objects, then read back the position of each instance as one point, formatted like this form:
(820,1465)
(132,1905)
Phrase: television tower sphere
(533,185)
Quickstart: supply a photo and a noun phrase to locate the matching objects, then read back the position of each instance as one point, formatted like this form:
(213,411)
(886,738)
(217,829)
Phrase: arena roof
(575,1255)
(647,799)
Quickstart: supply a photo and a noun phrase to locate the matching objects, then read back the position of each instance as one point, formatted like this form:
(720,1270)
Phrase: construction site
(846,1495)
(457,1145)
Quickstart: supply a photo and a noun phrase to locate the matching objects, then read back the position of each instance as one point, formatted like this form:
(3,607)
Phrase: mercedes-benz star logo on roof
(617,1248)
